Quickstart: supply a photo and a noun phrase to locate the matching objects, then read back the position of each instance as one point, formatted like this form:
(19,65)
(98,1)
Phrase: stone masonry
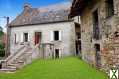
(108,33)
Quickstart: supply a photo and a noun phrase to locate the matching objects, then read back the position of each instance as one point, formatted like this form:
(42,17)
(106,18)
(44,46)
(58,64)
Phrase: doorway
(97,55)
(78,48)
(56,53)
(25,37)
(37,37)
(78,39)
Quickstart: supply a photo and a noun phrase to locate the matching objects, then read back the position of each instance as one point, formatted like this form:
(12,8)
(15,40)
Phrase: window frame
(96,28)
(109,8)
(53,35)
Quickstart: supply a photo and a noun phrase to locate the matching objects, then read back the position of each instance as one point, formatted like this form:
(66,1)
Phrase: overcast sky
(12,8)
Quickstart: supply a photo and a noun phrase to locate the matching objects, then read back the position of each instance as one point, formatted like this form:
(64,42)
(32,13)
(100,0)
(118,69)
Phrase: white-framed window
(56,35)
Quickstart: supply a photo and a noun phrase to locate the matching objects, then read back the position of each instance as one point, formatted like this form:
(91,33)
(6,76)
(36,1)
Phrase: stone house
(39,33)
(99,31)
(46,28)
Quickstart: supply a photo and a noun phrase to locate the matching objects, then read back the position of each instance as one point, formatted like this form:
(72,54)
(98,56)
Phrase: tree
(1,32)
(1,29)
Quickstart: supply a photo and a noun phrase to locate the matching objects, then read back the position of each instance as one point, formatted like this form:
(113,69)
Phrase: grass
(66,68)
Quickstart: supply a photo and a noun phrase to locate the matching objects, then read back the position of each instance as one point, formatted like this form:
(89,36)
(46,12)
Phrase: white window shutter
(21,37)
(28,37)
(60,35)
(51,35)
(17,38)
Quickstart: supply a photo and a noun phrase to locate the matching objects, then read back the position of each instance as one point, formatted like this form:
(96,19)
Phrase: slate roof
(31,16)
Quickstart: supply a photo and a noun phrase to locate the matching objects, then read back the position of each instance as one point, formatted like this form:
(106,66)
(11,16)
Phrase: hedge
(2,52)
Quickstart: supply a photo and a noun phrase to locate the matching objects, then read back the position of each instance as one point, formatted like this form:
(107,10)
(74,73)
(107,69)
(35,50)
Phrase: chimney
(27,6)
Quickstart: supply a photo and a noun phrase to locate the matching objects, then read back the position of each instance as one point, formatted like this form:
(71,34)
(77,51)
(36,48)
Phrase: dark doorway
(25,37)
(0,66)
(37,37)
(78,47)
(56,53)
(78,39)
(97,55)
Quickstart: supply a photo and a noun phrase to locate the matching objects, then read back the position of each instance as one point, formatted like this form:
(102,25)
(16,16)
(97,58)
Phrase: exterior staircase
(22,57)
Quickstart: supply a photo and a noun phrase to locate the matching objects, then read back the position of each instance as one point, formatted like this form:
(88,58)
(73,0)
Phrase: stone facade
(103,52)
(49,27)
(66,44)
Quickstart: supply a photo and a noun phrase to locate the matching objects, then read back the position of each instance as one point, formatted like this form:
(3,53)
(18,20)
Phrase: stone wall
(108,26)
(66,45)
(110,53)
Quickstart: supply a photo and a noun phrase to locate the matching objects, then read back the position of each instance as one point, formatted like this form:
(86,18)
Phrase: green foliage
(66,68)
(1,33)
(2,46)
(2,50)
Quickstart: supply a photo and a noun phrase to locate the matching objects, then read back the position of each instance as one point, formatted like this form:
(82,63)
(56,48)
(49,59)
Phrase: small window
(15,41)
(56,35)
(110,8)
(25,37)
(96,30)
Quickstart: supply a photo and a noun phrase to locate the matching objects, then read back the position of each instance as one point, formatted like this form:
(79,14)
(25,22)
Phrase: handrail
(14,54)
(33,47)
(17,52)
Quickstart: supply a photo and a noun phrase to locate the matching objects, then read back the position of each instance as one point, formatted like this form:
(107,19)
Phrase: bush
(2,46)
(1,33)
(2,52)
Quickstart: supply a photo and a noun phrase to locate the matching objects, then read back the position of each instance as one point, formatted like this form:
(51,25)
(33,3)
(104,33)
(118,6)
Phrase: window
(25,37)
(56,35)
(110,8)
(96,31)
(15,39)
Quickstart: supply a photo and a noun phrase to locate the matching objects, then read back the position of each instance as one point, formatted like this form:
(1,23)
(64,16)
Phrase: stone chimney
(27,6)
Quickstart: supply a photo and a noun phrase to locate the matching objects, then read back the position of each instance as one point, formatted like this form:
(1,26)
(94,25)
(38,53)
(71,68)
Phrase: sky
(12,8)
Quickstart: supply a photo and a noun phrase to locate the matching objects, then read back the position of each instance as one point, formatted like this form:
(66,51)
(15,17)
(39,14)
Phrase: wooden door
(37,37)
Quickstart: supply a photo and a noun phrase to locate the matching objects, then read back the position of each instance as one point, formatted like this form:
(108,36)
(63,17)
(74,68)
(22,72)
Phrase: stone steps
(8,70)
(18,61)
